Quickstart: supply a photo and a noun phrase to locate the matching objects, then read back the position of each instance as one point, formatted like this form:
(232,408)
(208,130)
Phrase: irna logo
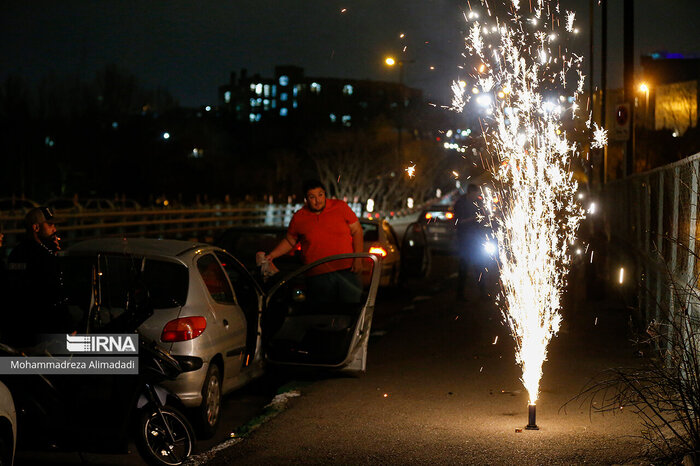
(101,343)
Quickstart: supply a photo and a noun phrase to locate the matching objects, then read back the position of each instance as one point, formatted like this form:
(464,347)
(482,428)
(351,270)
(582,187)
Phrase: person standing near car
(326,227)
(34,275)
(468,210)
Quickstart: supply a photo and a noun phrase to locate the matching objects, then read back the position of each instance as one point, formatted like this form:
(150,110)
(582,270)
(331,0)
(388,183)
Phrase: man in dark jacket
(470,235)
(38,304)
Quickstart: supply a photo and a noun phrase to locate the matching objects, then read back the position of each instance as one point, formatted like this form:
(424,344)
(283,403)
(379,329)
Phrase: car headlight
(490,248)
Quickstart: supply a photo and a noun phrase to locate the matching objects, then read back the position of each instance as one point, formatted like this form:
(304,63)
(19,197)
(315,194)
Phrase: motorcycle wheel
(164,440)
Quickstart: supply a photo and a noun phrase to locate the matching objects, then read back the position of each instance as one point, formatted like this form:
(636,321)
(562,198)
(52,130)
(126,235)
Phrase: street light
(644,87)
(391,61)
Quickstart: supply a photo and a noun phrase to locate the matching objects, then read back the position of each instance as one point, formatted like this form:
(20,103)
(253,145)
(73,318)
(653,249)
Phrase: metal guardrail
(203,224)
(655,215)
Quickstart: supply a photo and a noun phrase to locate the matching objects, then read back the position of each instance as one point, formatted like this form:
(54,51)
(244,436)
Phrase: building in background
(290,96)
(669,92)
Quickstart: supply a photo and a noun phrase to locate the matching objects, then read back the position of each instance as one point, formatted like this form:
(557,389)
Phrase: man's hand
(357,265)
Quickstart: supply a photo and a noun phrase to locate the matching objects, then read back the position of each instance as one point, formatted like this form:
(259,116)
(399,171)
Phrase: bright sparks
(411,171)
(537,218)
(600,137)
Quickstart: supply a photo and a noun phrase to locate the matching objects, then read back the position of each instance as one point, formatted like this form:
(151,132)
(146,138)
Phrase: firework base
(531,415)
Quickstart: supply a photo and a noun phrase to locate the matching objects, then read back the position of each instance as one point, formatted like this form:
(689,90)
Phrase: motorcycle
(101,413)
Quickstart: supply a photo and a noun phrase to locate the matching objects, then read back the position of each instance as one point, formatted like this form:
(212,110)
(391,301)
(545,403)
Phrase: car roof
(137,246)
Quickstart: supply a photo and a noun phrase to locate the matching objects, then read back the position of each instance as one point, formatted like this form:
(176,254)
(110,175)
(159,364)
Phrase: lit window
(284,80)
(253,102)
(347,120)
(295,91)
(251,117)
(316,88)
(333,117)
(258,88)
(227,96)
(257,117)
(266,90)
(283,111)
(295,104)
(274,103)
(252,87)
(284,96)
(266,104)
(115,125)
(347,89)
(274,90)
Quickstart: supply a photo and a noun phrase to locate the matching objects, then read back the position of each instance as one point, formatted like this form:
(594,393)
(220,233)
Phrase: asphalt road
(442,387)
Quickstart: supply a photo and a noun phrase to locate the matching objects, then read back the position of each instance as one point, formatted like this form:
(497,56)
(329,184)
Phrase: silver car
(8,426)
(203,306)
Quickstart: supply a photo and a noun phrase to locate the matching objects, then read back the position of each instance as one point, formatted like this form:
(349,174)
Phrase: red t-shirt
(324,234)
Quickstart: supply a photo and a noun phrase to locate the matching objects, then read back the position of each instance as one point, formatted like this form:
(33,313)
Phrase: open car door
(321,314)
(415,254)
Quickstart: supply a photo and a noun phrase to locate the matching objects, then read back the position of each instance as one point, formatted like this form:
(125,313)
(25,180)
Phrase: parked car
(206,309)
(16,206)
(441,229)
(380,239)
(8,426)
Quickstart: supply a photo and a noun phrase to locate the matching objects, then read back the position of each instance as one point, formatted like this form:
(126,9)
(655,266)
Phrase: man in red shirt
(326,227)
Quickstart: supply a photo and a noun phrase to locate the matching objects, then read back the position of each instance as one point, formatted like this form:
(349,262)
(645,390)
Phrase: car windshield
(122,282)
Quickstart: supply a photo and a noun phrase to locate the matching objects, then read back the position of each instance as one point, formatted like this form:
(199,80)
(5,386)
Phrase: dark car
(440,226)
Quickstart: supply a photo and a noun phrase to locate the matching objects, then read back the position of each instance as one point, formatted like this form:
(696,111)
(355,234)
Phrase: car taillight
(428,216)
(378,250)
(449,215)
(183,329)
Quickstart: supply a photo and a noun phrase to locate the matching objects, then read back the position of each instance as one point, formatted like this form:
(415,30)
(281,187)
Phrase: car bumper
(188,386)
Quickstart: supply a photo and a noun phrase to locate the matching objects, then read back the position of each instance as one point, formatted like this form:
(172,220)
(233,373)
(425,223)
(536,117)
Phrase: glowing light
(622,275)
(490,248)
(390,61)
(600,137)
(411,171)
(591,208)
(536,220)
(409,203)
(370,205)
(166,135)
(475,90)
(644,87)
(378,250)
(402,35)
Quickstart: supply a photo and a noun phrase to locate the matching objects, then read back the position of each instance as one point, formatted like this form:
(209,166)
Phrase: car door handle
(225,323)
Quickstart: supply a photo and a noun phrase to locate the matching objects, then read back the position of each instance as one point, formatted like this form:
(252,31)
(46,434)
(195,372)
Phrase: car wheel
(210,410)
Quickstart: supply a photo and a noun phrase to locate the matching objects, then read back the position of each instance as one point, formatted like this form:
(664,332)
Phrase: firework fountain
(520,74)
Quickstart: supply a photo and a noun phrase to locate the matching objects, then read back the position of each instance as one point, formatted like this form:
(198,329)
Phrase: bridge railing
(655,214)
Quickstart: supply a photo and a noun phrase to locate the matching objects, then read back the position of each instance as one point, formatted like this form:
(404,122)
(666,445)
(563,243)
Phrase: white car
(205,308)
(8,426)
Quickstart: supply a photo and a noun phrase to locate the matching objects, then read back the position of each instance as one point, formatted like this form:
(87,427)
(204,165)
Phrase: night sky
(190,47)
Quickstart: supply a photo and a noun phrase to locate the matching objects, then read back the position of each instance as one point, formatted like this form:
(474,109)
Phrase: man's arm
(358,245)
(284,246)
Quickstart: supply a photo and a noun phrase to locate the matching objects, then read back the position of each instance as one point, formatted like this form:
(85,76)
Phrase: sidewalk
(442,388)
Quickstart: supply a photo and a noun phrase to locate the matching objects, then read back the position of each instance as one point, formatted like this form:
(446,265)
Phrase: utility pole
(604,81)
(628,73)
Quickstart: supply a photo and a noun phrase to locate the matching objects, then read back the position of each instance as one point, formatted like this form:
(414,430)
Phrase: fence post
(674,255)
(646,203)
(693,220)
(660,243)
